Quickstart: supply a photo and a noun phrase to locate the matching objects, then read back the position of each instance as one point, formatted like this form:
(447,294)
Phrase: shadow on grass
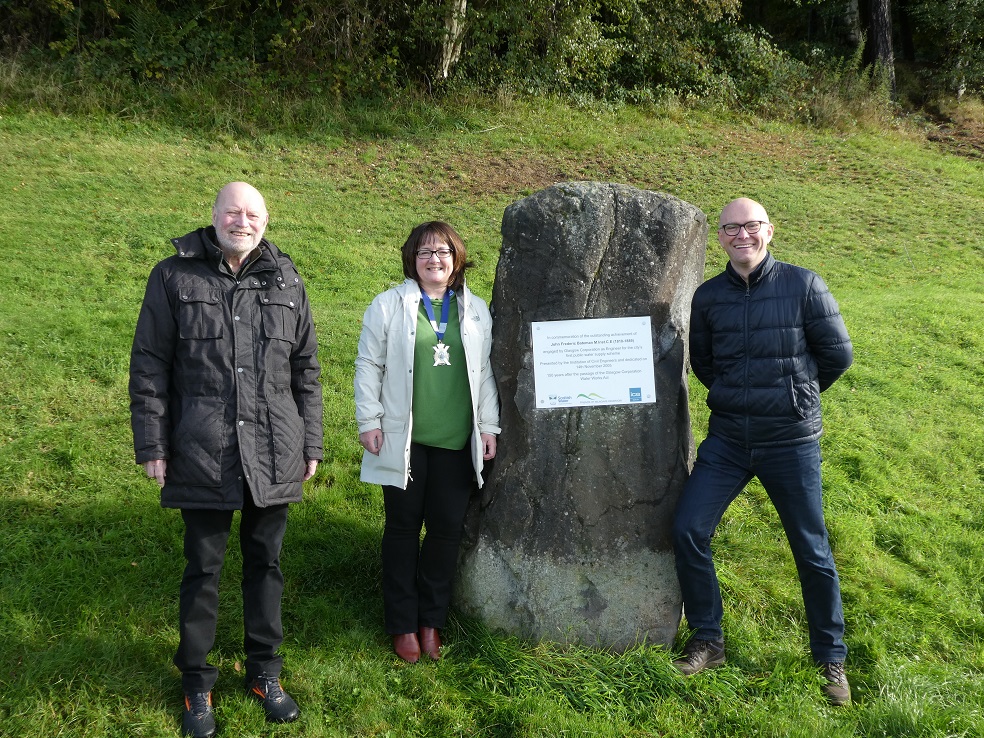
(89,593)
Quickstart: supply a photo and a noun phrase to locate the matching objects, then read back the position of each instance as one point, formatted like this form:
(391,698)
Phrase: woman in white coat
(428,415)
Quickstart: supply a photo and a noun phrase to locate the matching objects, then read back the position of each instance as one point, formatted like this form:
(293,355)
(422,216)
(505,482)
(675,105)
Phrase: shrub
(952,35)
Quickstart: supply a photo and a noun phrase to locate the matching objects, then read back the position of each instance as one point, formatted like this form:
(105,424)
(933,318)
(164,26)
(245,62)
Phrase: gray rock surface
(570,539)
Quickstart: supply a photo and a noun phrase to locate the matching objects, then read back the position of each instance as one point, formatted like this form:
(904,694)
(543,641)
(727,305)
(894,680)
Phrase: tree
(881,36)
(956,30)
(454,32)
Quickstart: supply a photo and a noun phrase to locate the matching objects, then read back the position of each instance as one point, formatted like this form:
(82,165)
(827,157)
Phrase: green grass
(90,563)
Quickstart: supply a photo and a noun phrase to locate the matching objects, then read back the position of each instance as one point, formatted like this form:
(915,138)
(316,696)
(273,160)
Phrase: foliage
(938,42)
(603,48)
(957,56)
(614,50)
(843,94)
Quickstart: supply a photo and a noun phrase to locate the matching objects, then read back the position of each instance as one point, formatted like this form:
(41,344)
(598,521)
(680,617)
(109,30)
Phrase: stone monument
(570,539)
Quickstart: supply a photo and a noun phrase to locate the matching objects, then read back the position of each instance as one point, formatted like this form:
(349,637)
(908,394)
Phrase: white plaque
(597,361)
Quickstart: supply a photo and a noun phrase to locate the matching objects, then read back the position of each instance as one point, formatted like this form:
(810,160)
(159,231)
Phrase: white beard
(236,248)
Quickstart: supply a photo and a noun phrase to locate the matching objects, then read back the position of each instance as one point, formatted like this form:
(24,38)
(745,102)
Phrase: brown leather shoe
(700,654)
(836,686)
(430,642)
(407,647)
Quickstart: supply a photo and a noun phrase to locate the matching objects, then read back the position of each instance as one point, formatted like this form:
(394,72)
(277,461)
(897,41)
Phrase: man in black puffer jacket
(226,410)
(766,338)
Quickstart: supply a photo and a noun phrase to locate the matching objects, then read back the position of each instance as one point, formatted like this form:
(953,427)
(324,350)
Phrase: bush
(952,35)
(844,94)
(608,50)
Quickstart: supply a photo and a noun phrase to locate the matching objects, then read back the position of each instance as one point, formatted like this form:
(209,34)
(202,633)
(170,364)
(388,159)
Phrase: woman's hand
(372,441)
(488,446)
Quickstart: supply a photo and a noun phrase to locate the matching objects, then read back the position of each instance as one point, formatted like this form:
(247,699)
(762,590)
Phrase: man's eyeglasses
(751,227)
(428,253)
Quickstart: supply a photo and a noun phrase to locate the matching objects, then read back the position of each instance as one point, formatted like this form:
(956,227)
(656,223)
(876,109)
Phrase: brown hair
(445,233)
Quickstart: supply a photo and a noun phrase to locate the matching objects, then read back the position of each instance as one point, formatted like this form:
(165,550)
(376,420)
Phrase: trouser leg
(720,473)
(205,539)
(417,577)
(449,486)
(404,509)
(791,477)
(261,535)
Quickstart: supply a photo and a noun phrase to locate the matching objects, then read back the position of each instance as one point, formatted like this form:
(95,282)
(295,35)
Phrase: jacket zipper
(748,297)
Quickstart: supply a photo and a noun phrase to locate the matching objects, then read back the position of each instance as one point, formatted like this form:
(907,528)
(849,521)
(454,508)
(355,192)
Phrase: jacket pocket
(197,443)
(279,311)
(714,396)
(287,432)
(200,313)
(804,398)
(392,425)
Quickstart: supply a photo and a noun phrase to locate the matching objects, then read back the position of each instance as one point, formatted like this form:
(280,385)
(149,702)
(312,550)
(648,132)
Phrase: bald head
(745,249)
(238,191)
(743,210)
(240,218)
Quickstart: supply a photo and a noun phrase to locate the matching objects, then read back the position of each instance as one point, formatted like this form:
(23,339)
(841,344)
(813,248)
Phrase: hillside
(91,563)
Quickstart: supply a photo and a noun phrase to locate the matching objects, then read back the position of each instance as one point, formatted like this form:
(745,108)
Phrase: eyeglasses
(751,227)
(428,253)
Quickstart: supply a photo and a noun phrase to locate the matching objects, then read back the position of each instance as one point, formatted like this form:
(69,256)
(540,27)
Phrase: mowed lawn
(90,563)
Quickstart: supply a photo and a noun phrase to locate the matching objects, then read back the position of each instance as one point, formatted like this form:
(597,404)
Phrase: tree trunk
(881,31)
(852,22)
(454,31)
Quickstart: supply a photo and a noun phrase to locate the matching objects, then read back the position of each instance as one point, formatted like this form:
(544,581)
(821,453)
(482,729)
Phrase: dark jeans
(417,576)
(261,534)
(791,477)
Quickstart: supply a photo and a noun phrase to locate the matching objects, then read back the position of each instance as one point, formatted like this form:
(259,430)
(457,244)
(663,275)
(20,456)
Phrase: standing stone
(570,540)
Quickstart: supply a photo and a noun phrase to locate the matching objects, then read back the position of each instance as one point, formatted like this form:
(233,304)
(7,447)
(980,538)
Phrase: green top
(442,413)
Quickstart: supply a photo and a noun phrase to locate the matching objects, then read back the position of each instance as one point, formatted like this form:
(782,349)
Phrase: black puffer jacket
(765,351)
(224,377)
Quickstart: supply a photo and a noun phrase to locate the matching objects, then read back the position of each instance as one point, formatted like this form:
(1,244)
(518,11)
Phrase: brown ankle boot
(407,647)
(430,642)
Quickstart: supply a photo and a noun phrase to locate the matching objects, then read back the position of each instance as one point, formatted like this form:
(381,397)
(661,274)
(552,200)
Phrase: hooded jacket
(224,377)
(765,350)
(384,379)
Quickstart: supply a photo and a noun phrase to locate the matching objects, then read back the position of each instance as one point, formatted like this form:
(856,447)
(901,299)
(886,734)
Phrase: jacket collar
(411,289)
(757,274)
(201,244)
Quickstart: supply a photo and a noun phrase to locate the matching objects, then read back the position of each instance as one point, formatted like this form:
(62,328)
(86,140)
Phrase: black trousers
(261,535)
(417,576)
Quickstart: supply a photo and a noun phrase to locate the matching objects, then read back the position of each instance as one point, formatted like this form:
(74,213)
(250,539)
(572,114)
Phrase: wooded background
(752,54)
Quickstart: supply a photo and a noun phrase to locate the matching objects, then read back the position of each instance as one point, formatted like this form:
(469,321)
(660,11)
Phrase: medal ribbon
(445,307)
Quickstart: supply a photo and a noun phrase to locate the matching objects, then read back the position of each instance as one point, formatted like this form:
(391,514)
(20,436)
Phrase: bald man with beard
(226,410)
(766,338)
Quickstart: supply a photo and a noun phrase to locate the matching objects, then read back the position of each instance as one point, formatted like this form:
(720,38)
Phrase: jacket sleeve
(151,362)
(370,363)
(305,385)
(488,394)
(701,353)
(826,334)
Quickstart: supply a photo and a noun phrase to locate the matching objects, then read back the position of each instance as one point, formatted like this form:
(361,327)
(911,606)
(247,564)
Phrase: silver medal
(442,356)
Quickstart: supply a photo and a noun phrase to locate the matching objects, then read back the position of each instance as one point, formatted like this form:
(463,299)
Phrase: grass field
(90,563)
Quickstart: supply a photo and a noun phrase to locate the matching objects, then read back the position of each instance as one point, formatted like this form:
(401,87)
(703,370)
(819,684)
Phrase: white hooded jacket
(384,379)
